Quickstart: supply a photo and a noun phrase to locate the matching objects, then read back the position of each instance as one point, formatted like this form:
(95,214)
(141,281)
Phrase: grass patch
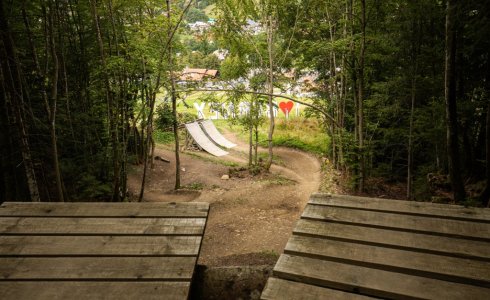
(278,180)
(196,186)
(214,160)
(275,159)
(163,137)
(270,253)
(298,133)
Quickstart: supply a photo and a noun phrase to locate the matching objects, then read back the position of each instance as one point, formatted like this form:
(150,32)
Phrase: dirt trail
(251,218)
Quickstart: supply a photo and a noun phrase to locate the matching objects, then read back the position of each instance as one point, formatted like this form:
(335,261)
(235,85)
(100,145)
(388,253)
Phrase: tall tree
(15,92)
(360,98)
(451,108)
(52,108)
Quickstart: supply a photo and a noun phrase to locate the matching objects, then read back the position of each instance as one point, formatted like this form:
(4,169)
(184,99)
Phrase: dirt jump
(251,218)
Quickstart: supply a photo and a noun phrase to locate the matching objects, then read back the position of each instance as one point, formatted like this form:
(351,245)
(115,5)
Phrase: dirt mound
(251,218)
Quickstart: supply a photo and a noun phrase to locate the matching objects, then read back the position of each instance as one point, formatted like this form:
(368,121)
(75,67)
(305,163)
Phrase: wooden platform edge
(416,208)
(105,209)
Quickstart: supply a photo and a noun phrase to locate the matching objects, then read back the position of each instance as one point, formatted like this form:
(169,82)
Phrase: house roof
(190,74)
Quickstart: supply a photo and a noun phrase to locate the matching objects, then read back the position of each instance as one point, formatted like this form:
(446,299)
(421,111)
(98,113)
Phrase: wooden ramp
(99,250)
(202,140)
(215,135)
(346,247)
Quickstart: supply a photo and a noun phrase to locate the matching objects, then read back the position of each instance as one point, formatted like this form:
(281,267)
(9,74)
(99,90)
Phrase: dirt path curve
(251,218)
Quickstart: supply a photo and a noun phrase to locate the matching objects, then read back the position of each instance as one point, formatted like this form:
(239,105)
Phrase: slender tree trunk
(250,135)
(53,106)
(451,109)
(270,89)
(410,143)
(110,107)
(174,103)
(360,108)
(9,184)
(415,47)
(256,145)
(12,76)
(65,95)
(146,143)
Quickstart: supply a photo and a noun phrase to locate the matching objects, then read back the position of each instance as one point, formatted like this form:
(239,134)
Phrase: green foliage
(163,137)
(197,186)
(233,67)
(270,253)
(164,117)
(105,87)
(186,117)
(194,15)
(92,189)
(300,134)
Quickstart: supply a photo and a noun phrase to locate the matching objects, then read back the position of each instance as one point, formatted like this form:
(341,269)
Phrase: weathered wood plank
(403,207)
(99,245)
(280,289)
(49,290)
(456,228)
(392,238)
(105,209)
(461,270)
(372,282)
(102,226)
(96,268)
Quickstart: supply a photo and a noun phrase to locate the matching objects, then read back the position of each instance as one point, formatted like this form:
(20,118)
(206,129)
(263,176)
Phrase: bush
(165,117)
(163,137)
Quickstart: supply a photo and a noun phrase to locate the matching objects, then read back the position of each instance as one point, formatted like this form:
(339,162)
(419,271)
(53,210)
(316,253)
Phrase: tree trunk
(451,109)
(360,108)
(174,103)
(110,106)
(270,89)
(146,143)
(8,184)
(12,76)
(53,106)
(415,47)
(250,136)
(410,143)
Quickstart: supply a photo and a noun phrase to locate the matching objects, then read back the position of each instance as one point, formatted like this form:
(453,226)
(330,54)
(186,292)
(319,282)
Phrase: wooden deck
(346,247)
(99,250)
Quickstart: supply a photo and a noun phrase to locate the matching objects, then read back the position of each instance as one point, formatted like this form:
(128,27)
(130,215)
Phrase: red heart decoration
(286,107)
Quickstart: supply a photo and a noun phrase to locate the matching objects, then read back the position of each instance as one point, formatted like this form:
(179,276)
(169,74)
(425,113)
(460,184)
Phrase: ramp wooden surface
(202,139)
(346,247)
(215,135)
(99,250)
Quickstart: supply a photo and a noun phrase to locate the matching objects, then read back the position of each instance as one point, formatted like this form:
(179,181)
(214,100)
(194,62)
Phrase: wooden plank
(105,209)
(372,282)
(103,226)
(396,239)
(445,227)
(97,268)
(403,207)
(51,290)
(284,289)
(421,264)
(99,245)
